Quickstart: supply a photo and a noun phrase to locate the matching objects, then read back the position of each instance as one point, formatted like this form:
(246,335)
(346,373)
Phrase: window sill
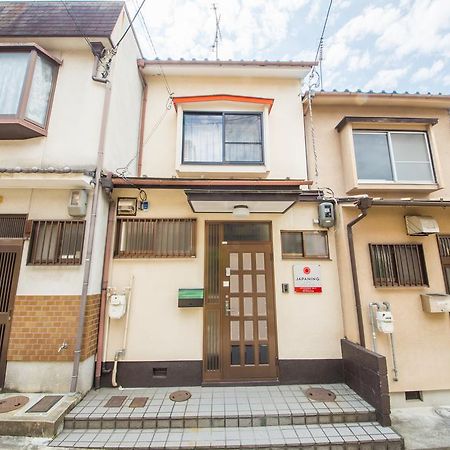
(14,128)
(222,169)
(394,187)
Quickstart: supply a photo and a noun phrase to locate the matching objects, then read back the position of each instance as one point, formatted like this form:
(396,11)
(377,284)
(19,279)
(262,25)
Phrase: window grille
(444,246)
(12,226)
(56,242)
(398,265)
(155,238)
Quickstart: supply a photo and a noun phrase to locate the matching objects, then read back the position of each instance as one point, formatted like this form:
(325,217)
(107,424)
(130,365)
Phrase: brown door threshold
(216,383)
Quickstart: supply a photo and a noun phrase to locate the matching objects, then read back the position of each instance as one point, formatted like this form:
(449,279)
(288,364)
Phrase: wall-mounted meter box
(385,321)
(117,306)
(190,298)
(435,303)
(77,203)
(326,214)
(126,206)
(421,225)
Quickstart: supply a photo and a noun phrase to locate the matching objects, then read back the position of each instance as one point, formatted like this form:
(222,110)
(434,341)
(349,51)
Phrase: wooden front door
(10,253)
(240,330)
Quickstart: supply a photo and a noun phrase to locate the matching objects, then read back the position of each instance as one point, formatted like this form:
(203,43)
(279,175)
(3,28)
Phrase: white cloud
(386,79)
(446,80)
(425,73)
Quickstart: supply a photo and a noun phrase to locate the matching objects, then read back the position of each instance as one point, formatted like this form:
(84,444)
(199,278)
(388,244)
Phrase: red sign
(307,278)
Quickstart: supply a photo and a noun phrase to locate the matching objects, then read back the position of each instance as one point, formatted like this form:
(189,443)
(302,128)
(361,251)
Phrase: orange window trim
(223,97)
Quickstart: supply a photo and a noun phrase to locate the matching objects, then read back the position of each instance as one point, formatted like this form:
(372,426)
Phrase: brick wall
(40,324)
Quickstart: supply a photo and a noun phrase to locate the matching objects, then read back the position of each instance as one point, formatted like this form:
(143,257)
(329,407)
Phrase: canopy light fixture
(241,210)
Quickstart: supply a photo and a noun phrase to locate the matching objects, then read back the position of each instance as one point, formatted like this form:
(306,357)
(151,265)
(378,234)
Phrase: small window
(242,231)
(155,238)
(27,80)
(56,242)
(396,265)
(304,244)
(393,156)
(222,138)
(414,395)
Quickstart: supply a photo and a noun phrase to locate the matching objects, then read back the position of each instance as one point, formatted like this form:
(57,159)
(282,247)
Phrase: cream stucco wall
(283,126)
(421,339)
(308,325)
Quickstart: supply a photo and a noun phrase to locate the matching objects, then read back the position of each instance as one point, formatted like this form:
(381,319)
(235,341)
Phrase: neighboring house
(206,240)
(393,149)
(64,117)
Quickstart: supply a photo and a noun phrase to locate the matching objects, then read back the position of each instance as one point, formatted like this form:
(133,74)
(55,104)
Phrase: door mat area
(138,402)
(116,401)
(45,404)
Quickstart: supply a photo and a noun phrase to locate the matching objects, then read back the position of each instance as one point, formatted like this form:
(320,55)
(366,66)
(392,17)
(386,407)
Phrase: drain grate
(180,396)
(45,404)
(116,401)
(138,402)
(320,395)
(13,403)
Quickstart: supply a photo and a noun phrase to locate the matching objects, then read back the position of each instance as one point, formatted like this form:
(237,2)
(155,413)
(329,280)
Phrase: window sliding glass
(222,138)
(13,67)
(393,156)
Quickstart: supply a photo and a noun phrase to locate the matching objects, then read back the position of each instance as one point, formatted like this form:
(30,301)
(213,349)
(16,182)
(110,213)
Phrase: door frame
(16,245)
(218,375)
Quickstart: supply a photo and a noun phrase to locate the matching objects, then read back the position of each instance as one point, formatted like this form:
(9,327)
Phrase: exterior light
(241,210)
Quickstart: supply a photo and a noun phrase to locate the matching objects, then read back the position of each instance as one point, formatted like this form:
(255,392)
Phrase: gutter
(90,242)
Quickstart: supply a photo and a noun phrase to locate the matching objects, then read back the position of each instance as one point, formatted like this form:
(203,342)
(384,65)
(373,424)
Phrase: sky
(401,45)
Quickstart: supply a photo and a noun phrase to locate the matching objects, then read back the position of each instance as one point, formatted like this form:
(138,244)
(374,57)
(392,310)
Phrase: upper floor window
(222,138)
(27,79)
(393,156)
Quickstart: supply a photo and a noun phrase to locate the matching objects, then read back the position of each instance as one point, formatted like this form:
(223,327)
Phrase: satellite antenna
(218,35)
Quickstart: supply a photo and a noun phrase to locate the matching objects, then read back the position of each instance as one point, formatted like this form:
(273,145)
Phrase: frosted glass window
(40,92)
(13,67)
(304,244)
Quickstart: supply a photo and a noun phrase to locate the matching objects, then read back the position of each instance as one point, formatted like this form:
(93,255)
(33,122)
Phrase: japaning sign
(307,278)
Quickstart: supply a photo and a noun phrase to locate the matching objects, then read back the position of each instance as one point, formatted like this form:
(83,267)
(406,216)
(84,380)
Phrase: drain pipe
(142,121)
(391,338)
(104,296)
(363,204)
(90,240)
(372,323)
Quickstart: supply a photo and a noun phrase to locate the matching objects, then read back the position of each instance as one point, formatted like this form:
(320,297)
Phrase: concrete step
(218,407)
(365,435)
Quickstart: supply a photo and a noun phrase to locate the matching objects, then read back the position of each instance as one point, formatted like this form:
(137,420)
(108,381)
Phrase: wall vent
(159,372)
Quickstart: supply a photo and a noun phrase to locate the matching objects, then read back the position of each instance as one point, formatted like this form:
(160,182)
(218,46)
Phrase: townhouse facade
(386,158)
(69,109)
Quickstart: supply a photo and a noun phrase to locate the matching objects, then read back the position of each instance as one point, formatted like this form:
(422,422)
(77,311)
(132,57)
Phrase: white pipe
(391,339)
(372,323)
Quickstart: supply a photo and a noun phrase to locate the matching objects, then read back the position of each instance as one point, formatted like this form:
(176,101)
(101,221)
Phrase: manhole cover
(320,395)
(180,396)
(12,403)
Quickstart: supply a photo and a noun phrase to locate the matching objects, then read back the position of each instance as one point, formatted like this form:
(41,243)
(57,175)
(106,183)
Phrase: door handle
(227,271)
(227,307)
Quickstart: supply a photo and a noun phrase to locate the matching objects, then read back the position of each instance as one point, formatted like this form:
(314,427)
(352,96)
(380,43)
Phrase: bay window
(222,138)
(27,79)
(393,156)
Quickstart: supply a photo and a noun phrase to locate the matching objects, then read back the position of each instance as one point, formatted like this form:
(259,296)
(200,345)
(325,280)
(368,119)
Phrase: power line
(218,35)
(130,25)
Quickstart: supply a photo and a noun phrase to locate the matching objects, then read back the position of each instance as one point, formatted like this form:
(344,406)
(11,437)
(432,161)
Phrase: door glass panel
(234,306)
(234,283)
(234,330)
(262,309)
(246,261)
(248,330)
(248,306)
(247,283)
(263,354)
(235,355)
(246,231)
(261,283)
(249,354)
(262,330)
(234,261)
(259,261)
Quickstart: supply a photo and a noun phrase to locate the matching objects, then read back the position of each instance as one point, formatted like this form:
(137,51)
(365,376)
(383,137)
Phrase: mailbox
(189,298)
(435,303)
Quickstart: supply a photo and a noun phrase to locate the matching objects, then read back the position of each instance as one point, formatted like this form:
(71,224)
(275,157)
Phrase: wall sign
(307,278)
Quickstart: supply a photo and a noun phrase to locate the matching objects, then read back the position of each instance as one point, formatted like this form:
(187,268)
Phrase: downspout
(103,298)
(90,242)
(363,204)
(142,122)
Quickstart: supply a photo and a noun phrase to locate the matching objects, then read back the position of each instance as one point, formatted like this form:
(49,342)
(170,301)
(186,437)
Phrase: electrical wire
(130,25)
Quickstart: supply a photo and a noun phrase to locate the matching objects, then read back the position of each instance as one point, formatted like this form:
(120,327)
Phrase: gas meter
(385,321)
(117,306)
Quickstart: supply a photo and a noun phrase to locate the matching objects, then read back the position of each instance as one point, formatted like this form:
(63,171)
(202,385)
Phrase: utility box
(435,303)
(385,321)
(421,225)
(326,214)
(117,306)
(189,298)
(77,203)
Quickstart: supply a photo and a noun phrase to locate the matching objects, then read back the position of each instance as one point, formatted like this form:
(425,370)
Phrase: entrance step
(366,436)
(217,407)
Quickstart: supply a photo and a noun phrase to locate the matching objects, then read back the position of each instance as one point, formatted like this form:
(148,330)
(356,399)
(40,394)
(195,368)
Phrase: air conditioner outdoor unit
(421,225)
